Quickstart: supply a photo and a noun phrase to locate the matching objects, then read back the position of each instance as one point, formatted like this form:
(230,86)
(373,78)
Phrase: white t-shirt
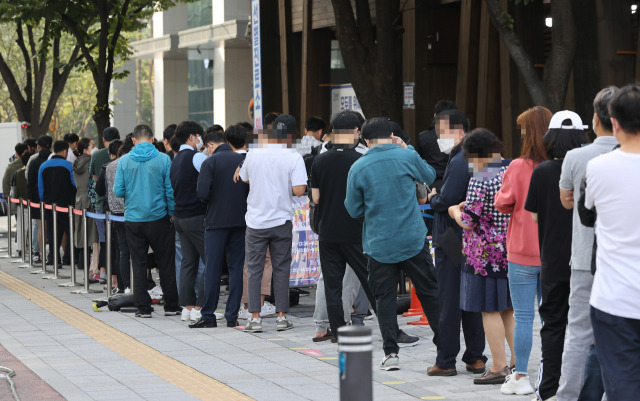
(272,171)
(613,188)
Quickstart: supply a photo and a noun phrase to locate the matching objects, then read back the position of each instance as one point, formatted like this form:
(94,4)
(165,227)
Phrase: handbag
(314,217)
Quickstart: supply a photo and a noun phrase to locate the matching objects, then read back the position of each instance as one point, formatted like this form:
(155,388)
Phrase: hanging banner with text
(305,259)
(343,97)
(257,64)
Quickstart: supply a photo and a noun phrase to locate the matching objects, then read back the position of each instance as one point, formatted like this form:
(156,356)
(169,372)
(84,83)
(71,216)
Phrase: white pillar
(123,94)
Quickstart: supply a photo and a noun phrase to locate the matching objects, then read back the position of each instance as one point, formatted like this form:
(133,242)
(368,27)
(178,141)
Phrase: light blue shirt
(198,158)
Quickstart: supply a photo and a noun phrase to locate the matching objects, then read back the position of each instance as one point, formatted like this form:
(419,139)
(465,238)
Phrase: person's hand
(461,205)
(236,175)
(398,141)
(433,192)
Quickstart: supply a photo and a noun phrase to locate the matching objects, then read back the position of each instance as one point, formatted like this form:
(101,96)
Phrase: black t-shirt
(329,174)
(428,149)
(554,221)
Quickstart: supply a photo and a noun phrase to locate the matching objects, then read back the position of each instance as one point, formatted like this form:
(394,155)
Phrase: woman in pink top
(523,251)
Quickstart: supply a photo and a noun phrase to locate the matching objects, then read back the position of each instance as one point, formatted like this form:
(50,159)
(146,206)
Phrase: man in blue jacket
(381,189)
(451,126)
(142,179)
(225,225)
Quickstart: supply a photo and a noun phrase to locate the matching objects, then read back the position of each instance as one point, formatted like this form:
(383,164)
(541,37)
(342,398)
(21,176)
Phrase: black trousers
(191,232)
(554,309)
(383,281)
(334,258)
(450,315)
(160,236)
(63,228)
(122,256)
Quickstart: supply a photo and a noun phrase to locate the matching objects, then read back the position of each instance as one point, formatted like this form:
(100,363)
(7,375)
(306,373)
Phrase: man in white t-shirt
(274,173)
(612,189)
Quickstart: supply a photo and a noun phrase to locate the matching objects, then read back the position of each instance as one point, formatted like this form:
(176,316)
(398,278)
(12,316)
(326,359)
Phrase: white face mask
(446,145)
(199,144)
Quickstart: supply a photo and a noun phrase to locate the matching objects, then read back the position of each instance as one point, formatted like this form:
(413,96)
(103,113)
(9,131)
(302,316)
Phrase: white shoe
(243,313)
(219,316)
(155,292)
(513,386)
(267,310)
(127,290)
(185,315)
(195,314)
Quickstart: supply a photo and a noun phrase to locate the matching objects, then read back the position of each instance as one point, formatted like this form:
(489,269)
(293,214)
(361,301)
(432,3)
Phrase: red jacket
(522,234)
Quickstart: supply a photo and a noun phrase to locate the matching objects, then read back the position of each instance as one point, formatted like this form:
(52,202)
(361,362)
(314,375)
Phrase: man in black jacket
(56,186)
(451,126)
(44,150)
(224,225)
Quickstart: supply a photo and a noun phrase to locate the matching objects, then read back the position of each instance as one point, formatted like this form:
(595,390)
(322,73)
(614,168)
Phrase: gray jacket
(116,205)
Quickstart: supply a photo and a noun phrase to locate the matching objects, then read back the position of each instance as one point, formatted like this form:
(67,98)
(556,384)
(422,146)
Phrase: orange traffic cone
(415,309)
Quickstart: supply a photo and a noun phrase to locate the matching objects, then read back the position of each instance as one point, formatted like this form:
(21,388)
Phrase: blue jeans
(593,389)
(524,283)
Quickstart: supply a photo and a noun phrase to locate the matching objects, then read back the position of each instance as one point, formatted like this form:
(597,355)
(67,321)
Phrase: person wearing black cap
(275,173)
(44,150)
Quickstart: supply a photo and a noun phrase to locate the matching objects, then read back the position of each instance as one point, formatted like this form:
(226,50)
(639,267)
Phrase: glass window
(200,13)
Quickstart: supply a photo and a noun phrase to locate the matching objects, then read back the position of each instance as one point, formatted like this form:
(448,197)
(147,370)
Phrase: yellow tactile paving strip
(182,376)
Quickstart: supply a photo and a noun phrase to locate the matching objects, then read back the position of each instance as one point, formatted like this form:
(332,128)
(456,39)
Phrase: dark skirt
(484,294)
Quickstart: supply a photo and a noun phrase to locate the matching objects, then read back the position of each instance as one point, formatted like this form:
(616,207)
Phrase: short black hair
(625,107)
(558,141)
(71,137)
(142,131)
(127,145)
(346,119)
(83,144)
(30,142)
(114,146)
(378,127)
(444,105)
(454,117)
(25,157)
(59,146)
(111,134)
(20,148)
(247,126)
(45,141)
(187,128)
(482,143)
(601,106)
(236,135)
(315,124)
(215,137)
(215,128)
(270,117)
(175,144)
(169,132)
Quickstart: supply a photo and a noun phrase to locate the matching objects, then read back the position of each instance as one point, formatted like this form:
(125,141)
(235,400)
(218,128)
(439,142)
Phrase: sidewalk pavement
(87,355)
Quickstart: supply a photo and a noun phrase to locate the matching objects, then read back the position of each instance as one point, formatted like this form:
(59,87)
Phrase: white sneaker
(127,290)
(155,292)
(391,362)
(267,310)
(513,386)
(243,313)
(219,316)
(185,315)
(195,314)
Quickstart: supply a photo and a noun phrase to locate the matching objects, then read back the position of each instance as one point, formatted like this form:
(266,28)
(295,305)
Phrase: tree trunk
(102,112)
(558,66)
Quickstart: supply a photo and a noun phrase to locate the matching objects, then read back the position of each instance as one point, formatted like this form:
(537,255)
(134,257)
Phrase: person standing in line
(57,186)
(142,179)
(313,133)
(451,127)
(566,132)
(484,285)
(225,226)
(613,192)
(82,177)
(428,147)
(275,174)
(523,251)
(72,139)
(580,336)
(188,218)
(381,189)
(33,166)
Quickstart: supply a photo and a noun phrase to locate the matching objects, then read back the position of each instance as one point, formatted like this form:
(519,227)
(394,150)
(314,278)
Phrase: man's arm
(6,184)
(566,198)
(205,180)
(168,189)
(40,182)
(299,176)
(315,195)
(454,189)
(354,201)
(298,190)
(424,172)
(566,181)
(534,217)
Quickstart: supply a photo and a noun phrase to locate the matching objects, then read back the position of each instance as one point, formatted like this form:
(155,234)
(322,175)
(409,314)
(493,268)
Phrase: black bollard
(356,376)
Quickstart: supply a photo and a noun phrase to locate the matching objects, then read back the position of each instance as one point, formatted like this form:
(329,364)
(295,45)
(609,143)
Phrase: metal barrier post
(9,247)
(22,244)
(108,252)
(85,255)
(56,247)
(131,286)
(30,234)
(72,244)
(43,248)
(356,377)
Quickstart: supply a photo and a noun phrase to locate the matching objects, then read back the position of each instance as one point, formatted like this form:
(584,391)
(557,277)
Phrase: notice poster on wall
(343,97)
(305,260)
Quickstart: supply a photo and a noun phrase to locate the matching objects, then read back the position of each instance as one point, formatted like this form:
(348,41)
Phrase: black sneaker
(172,311)
(203,324)
(143,313)
(404,340)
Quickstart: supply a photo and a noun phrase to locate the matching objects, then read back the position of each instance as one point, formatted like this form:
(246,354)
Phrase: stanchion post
(9,247)
(85,255)
(108,253)
(356,377)
(56,248)
(131,275)
(43,251)
(22,247)
(30,234)
(72,243)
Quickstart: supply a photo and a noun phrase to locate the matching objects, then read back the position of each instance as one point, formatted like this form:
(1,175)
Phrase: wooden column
(409,61)
(305,89)
(284,34)
(463,54)
(483,67)
(505,97)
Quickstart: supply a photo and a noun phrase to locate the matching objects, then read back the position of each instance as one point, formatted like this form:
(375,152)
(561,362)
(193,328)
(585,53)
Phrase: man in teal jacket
(142,179)
(381,188)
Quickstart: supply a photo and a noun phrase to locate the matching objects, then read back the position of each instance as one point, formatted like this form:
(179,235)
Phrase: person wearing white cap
(566,132)
(613,190)
(580,336)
